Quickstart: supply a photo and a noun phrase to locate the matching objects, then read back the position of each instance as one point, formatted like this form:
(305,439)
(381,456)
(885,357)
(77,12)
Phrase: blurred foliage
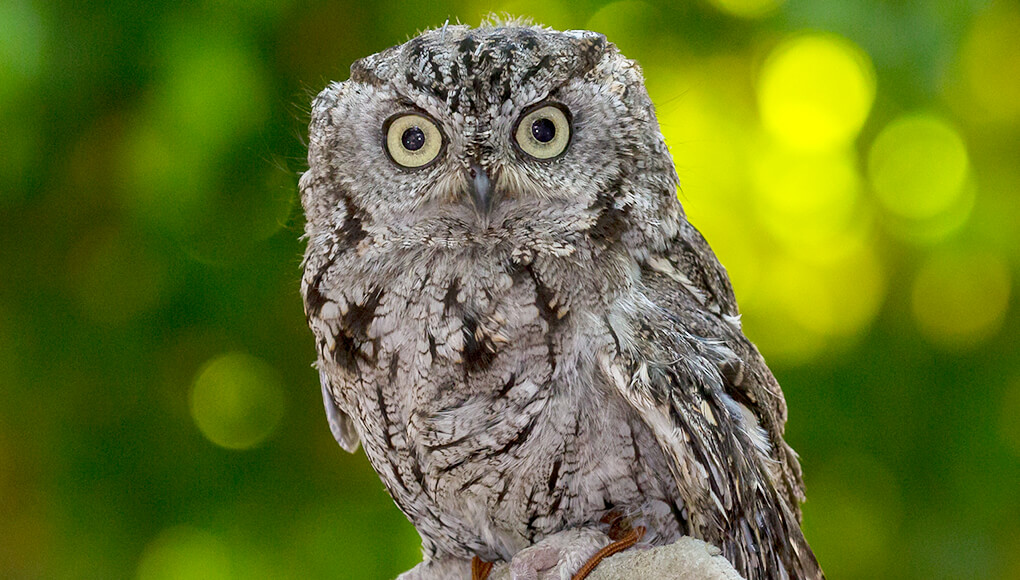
(855,165)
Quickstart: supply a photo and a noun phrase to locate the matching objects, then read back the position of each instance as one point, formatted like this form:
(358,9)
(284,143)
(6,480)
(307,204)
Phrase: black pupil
(413,139)
(543,130)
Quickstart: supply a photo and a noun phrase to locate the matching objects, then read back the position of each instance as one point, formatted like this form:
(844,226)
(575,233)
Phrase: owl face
(501,137)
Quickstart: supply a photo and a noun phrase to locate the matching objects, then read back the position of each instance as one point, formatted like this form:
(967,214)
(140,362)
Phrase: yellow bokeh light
(939,227)
(185,553)
(815,91)
(836,299)
(801,307)
(960,299)
(809,201)
(706,126)
(991,61)
(748,8)
(792,292)
(237,400)
(917,166)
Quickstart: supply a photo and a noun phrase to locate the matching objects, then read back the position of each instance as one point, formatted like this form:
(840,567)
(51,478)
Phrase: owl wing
(715,408)
(705,304)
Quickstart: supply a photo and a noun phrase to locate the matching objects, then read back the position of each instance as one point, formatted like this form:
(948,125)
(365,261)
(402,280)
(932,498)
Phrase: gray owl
(514,318)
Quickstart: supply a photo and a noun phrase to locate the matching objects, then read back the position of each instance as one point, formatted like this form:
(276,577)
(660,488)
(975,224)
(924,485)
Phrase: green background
(856,165)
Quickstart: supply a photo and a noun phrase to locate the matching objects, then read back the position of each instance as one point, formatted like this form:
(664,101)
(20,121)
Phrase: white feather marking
(733,320)
(719,504)
(642,373)
(706,410)
(754,431)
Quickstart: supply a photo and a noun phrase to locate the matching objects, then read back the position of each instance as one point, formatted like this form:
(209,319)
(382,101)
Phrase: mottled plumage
(529,347)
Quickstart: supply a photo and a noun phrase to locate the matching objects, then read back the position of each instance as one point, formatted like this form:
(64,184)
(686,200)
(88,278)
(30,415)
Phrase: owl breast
(483,410)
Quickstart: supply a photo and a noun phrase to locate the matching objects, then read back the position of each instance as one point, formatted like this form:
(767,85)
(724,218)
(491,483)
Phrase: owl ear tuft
(589,46)
(363,71)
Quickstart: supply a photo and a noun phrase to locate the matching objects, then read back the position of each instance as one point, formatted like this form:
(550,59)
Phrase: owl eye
(544,133)
(412,140)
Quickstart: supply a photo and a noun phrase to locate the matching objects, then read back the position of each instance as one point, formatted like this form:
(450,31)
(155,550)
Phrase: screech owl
(516,321)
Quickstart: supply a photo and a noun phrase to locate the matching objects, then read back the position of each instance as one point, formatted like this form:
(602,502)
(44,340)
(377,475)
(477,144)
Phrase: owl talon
(480,569)
(631,538)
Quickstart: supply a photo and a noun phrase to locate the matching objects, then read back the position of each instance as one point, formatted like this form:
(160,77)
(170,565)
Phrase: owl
(541,357)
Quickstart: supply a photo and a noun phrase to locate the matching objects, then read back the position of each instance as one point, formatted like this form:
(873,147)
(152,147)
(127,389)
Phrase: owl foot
(559,556)
(631,538)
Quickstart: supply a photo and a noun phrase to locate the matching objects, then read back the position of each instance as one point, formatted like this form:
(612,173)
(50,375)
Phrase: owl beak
(480,187)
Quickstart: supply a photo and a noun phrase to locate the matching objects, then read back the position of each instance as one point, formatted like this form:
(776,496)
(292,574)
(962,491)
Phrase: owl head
(506,141)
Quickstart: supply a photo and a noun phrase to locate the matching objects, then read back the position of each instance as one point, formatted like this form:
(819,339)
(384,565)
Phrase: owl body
(519,325)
